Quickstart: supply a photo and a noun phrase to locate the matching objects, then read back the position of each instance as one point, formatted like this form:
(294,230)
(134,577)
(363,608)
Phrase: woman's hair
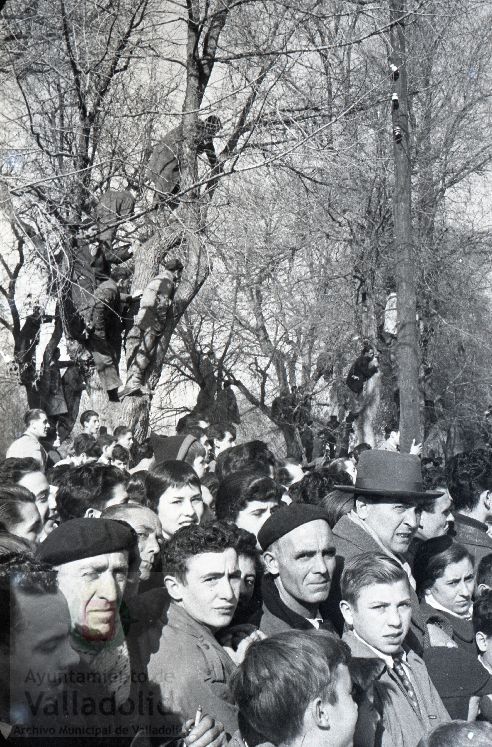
(250,455)
(433,557)
(336,504)
(172,474)
(196,450)
(278,679)
(240,488)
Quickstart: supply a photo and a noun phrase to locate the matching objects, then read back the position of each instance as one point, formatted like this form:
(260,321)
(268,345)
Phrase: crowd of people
(188,590)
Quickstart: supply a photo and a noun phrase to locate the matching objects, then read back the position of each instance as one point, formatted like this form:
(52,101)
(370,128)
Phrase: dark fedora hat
(389,474)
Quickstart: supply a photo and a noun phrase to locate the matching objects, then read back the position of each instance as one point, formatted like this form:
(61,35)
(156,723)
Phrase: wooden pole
(407,343)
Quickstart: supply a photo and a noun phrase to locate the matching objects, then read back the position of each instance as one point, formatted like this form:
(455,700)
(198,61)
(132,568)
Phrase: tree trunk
(407,346)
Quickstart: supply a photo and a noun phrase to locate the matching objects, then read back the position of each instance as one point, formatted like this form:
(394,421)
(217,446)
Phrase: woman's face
(454,590)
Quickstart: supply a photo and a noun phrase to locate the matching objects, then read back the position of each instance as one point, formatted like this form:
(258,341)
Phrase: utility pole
(404,259)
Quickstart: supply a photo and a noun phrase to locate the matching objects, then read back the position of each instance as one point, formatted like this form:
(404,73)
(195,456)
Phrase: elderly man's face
(40,647)
(394,522)
(304,561)
(94,589)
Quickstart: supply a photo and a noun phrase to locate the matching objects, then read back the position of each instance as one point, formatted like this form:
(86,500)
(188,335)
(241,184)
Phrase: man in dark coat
(299,557)
(388,494)
(469,479)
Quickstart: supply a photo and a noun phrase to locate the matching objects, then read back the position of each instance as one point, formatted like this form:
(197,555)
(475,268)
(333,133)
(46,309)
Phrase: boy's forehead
(207,562)
(394,591)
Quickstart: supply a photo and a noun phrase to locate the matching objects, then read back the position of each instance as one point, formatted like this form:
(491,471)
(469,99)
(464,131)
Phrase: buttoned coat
(191,669)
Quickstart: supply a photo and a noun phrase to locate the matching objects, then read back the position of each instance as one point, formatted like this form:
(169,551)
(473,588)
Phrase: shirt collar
(388,660)
(432,602)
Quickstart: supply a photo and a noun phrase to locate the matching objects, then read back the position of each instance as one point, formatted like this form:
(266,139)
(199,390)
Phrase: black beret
(84,538)
(286,518)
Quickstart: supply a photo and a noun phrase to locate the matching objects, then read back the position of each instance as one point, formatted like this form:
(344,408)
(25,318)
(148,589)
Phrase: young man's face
(394,523)
(210,592)
(343,713)
(92,426)
(221,445)
(200,465)
(435,523)
(304,561)
(37,483)
(94,589)
(179,507)
(454,590)
(29,525)
(254,514)
(40,427)
(40,645)
(381,615)
(126,440)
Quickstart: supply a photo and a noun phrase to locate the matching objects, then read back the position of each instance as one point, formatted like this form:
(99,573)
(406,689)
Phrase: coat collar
(277,607)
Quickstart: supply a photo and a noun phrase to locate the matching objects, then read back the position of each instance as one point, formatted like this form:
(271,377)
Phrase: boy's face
(381,616)
(210,591)
(344,711)
(254,514)
(179,507)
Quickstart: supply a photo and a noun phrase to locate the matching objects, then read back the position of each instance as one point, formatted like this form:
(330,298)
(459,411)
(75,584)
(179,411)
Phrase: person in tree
(104,331)
(226,407)
(364,367)
(163,169)
(114,206)
(55,405)
(149,326)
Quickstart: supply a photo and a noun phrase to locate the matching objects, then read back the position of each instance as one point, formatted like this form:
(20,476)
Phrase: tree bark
(407,344)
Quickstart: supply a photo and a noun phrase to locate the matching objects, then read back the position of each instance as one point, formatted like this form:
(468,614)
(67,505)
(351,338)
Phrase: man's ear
(271,562)
(486,498)
(174,588)
(346,610)
(319,714)
(93,513)
(361,508)
(482,642)
(481,589)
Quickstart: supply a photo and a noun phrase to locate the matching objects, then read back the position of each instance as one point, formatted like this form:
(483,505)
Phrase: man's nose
(107,588)
(226,590)
(153,545)
(393,617)
(412,517)
(188,509)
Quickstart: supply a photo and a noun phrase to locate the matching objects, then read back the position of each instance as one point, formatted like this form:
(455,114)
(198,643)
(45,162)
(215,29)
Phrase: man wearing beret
(389,495)
(299,556)
(92,557)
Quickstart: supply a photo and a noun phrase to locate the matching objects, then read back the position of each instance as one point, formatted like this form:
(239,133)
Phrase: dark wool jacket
(460,630)
(351,540)
(275,616)
(472,534)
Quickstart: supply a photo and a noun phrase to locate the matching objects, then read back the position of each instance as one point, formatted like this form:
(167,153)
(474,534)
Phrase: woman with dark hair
(444,575)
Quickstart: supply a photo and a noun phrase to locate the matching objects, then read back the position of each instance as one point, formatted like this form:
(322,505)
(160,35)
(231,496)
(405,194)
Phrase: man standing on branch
(149,326)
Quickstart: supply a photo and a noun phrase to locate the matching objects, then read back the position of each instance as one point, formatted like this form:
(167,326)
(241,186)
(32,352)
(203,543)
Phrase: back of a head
(482,614)
(459,734)
(240,488)
(298,667)
(14,469)
(218,431)
(135,487)
(88,445)
(165,475)
(121,430)
(186,422)
(468,476)
(243,457)
(21,572)
(87,486)
(11,544)
(484,572)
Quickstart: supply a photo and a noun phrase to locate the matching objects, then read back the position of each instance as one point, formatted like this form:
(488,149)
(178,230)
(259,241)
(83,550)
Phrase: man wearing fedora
(388,496)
